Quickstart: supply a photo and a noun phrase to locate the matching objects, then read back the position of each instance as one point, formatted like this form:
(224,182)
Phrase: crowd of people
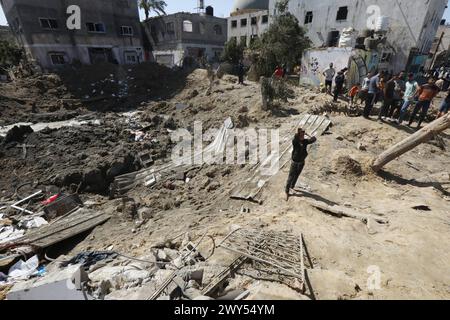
(398,94)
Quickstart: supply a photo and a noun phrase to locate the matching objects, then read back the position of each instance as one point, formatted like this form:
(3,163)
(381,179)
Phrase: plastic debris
(23,270)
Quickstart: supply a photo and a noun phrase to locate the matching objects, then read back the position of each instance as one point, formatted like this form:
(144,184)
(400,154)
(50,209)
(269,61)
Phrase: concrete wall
(316,61)
(23,16)
(248,31)
(413,23)
(169,36)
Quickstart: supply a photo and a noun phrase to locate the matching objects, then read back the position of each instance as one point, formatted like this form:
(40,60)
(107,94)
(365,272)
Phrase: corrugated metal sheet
(126,182)
(251,189)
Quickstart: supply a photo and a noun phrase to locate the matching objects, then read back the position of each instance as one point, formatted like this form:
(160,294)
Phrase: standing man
(400,87)
(426,94)
(389,95)
(329,76)
(339,85)
(372,94)
(411,88)
(299,155)
(241,72)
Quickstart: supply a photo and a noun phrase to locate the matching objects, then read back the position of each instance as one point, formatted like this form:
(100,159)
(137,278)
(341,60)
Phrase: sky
(222,8)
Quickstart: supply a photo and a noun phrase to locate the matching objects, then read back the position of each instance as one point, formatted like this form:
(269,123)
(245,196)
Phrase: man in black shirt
(339,85)
(299,155)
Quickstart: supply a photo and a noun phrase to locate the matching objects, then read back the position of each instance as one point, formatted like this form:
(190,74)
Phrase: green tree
(283,43)
(233,52)
(157,6)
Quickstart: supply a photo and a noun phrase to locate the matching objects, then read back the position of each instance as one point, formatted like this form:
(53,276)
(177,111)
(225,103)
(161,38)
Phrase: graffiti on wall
(316,61)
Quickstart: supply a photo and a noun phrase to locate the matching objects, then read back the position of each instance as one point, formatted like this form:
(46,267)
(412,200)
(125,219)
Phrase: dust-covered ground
(412,193)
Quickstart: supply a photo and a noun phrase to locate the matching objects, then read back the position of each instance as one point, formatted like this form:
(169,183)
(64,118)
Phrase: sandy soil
(411,251)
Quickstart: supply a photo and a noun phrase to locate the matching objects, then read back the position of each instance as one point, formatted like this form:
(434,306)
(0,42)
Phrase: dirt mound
(83,158)
(345,165)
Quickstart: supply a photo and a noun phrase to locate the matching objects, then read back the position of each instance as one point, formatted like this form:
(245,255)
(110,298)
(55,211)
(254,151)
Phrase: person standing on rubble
(389,95)
(241,72)
(426,94)
(372,94)
(399,91)
(299,155)
(411,88)
(339,85)
(329,76)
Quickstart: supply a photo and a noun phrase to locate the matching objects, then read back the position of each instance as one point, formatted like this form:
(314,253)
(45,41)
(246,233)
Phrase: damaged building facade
(110,31)
(248,20)
(409,27)
(184,35)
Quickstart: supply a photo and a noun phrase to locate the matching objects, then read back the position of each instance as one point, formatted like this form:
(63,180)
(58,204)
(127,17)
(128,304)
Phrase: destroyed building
(178,36)
(408,29)
(248,21)
(110,31)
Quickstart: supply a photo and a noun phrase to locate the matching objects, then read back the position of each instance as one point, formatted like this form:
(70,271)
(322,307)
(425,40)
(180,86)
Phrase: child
(354,91)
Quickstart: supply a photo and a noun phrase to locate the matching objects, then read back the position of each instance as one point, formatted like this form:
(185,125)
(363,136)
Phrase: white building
(410,25)
(248,20)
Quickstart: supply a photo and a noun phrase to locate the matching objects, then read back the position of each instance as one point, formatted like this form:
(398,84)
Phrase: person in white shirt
(329,76)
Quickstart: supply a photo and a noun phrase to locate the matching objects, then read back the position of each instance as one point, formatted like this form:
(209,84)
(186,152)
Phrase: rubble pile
(80,158)
(167,235)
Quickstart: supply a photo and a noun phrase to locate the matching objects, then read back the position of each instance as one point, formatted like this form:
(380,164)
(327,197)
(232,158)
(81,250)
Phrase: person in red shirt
(279,73)
(352,94)
(426,94)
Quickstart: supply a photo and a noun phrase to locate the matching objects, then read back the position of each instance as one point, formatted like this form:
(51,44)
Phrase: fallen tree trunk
(421,136)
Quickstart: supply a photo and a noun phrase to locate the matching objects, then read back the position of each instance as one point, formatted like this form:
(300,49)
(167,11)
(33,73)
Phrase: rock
(340,138)
(120,276)
(192,293)
(213,186)
(170,124)
(243,109)
(162,256)
(171,254)
(361,147)
(374,227)
(17,134)
(193,94)
(178,262)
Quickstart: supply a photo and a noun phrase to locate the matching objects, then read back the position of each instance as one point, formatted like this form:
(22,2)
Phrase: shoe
(287,196)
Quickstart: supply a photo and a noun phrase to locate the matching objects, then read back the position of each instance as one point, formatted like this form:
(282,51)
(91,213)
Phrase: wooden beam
(421,136)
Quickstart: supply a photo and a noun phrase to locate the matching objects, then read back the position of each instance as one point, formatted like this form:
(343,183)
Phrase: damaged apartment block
(110,31)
